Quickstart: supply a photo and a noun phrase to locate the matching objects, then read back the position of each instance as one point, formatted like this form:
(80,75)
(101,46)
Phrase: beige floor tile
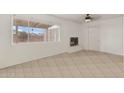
(77,76)
(28,75)
(27,70)
(85,64)
(36,70)
(19,75)
(48,75)
(85,72)
(20,70)
(109,75)
(3,75)
(11,70)
(99,76)
(44,64)
(67,75)
(56,75)
(10,75)
(37,75)
(86,75)
(119,75)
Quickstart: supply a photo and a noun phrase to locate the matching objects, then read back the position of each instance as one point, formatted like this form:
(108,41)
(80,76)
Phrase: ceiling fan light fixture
(88,18)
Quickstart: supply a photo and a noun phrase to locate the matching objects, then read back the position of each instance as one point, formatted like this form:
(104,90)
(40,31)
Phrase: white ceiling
(79,17)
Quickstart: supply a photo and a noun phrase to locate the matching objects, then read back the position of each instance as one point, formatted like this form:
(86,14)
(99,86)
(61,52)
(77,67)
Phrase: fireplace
(73,41)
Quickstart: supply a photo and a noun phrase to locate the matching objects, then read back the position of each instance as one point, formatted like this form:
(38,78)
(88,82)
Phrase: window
(32,31)
(20,31)
(53,33)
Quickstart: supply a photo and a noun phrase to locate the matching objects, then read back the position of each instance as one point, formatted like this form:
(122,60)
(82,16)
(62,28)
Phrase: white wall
(123,35)
(15,54)
(110,35)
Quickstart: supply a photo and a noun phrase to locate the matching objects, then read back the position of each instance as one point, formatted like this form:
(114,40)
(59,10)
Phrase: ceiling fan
(89,17)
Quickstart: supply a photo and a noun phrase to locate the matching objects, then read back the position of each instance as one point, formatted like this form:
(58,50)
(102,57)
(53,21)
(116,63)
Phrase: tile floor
(83,64)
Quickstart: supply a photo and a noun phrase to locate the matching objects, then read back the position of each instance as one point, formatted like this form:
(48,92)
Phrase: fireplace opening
(73,41)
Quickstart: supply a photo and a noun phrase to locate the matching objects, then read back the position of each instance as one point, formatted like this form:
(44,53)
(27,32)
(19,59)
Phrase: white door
(94,37)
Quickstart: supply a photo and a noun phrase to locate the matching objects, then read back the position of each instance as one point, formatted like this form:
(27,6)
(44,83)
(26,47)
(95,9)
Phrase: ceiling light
(88,18)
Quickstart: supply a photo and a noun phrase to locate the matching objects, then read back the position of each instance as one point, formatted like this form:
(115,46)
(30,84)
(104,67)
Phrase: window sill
(33,43)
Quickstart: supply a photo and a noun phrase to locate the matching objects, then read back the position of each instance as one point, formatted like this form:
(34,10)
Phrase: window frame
(37,42)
